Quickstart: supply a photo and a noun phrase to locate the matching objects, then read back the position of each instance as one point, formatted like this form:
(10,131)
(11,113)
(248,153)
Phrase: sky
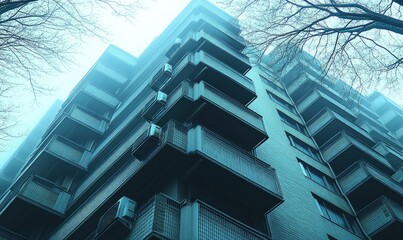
(131,37)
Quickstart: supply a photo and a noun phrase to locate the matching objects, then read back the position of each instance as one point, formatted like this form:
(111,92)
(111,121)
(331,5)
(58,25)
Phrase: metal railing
(238,160)
(159,216)
(379,214)
(360,172)
(213,224)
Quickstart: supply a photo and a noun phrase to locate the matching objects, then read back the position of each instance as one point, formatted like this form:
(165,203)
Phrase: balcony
(202,66)
(392,119)
(300,67)
(159,218)
(382,219)
(210,25)
(60,154)
(342,150)
(101,100)
(378,134)
(381,104)
(104,72)
(316,100)
(89,119)
(99,94)
(202,103)
(204,41)
(88,123)
(327,123)
(394,157)
(363,183)
(34,199)
(305,82)
(202,221)
(217,27)
(208,154)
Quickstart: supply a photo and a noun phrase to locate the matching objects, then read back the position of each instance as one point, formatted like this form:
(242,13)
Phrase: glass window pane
(317,177)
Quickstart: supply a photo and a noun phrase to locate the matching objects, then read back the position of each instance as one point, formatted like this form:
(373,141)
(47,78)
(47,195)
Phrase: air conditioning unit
(172,50)
(161,76)
(117,221)
(147,142)
(154,105)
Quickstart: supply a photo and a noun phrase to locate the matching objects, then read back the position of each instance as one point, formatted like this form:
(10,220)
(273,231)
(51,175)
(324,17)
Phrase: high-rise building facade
(20,156)
(189,141)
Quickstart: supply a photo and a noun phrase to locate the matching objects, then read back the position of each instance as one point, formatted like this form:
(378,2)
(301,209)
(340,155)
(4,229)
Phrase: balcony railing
(363,183)
(342,150)
(220,156)
(217,17)
(88,119)
(380,104)
(100,95)
(86,123)
(377,134)
(202,40)
(159,218)
(68,151)
(210,223)
(392,119)
(202,66)
(58,153)
(34,192)
(394,156)
(315,100)
(209,24)
(110,73)
(209,105)
(306,82)
(382,219)
(328,123)
(232,157)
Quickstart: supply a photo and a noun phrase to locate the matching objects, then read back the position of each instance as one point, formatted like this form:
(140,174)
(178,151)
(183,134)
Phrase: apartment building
(20,156)
(190,141)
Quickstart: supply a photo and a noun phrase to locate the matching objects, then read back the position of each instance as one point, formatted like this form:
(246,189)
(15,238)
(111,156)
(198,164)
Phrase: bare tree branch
(39,37)
(357,41)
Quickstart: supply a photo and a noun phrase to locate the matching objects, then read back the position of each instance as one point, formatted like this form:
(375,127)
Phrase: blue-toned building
(192,141)
(20,156)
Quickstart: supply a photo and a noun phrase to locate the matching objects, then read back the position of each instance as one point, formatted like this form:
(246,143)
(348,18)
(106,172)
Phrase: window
(303,147)
(273,85)
(281,102)
(337,216)
(319,177)
(291,122)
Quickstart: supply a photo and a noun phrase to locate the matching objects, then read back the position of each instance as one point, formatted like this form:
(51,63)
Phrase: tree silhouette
(38,37)
(360,41)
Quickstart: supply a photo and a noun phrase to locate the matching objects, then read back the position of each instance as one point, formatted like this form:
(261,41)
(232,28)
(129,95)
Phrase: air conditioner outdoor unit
(161,76)
(117,221)
(154,105)
(147,142)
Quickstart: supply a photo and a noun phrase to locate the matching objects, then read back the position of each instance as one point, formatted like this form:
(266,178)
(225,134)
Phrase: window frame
(274,86)
(328,182)
(348,222)
(279,101)
(292,123)
(301,146)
